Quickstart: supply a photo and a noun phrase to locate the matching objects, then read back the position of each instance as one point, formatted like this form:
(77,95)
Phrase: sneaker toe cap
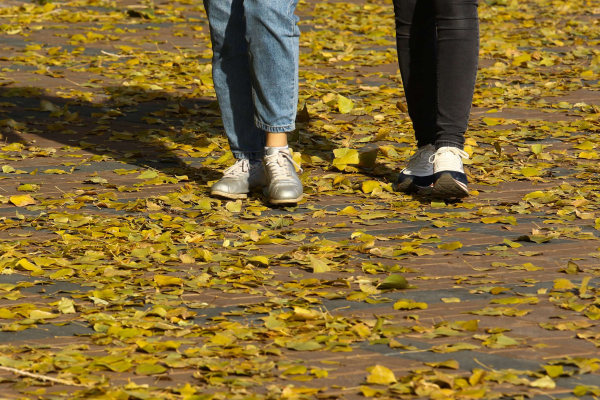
(229,186)
(285,192)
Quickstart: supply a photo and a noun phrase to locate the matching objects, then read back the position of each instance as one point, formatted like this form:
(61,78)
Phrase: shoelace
(279,169)
(419,160)
(238,170)
(448,164)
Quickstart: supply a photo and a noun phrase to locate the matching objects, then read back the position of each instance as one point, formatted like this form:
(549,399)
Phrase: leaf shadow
(120,127)
(135,126)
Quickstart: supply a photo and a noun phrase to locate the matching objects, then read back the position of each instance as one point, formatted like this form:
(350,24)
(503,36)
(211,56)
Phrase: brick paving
(142,130)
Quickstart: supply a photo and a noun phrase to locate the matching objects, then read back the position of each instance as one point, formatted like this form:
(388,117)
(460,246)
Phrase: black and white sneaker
(449,178)
(417,177)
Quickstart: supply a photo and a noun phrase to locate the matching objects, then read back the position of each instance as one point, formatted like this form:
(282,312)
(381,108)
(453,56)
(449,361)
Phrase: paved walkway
(121,279)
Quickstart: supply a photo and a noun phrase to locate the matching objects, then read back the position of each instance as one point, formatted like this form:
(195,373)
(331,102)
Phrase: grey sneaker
(417,177)
(284,185)
(239,180)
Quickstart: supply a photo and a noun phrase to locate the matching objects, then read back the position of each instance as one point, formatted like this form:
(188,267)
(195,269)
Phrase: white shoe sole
(229,196)
(286,201)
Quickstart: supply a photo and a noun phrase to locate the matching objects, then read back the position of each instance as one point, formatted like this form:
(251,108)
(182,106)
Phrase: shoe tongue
(274,150)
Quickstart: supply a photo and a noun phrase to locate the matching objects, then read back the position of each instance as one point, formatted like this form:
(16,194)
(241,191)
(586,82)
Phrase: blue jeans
(255,69)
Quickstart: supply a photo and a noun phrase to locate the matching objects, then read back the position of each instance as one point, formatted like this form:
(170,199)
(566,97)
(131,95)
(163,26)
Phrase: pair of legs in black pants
(438,51)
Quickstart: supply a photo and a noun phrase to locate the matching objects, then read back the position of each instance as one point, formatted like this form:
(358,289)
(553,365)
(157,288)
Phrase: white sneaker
(285,186)
(239,180)
(449,175)
(417,177)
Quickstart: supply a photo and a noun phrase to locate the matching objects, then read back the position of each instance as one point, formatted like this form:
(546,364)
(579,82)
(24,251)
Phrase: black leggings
(438,52)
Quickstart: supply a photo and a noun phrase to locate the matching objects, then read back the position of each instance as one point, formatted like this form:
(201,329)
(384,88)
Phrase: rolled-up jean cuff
(275,129)
(441,143)
(248,155)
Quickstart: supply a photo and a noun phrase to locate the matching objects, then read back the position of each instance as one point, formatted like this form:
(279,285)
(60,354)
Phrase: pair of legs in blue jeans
(255,69)
(255,72)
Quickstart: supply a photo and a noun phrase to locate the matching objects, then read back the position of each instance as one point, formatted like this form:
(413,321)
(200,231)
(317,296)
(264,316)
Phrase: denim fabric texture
(438,53)
(255,69)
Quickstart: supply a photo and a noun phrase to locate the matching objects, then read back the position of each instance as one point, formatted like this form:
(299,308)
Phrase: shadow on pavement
(135,126)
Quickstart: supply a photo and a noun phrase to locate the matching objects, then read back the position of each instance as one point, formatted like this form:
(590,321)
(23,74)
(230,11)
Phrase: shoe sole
(424,191)
(229,196)
(286,201)
(409,187)
(447,187)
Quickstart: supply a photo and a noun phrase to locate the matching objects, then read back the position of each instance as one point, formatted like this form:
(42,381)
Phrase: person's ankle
(277,139)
